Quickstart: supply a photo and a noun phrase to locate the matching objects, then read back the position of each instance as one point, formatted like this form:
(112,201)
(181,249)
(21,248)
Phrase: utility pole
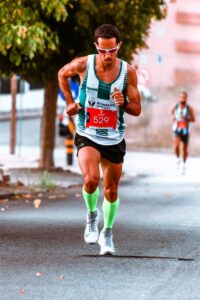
(13,91)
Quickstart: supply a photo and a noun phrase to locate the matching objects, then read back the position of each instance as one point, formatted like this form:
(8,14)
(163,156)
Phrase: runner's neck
(107,72)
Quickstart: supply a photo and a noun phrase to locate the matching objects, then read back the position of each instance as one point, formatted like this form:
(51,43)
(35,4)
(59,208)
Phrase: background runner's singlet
(100,119)
(181,124)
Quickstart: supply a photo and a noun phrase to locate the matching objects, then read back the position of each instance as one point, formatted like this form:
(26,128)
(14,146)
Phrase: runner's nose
(107,55)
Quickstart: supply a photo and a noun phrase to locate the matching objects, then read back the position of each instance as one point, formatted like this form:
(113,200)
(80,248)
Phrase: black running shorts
(113,153)
(183,137)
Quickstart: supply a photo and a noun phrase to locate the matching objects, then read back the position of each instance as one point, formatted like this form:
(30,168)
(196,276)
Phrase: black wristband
(125,103)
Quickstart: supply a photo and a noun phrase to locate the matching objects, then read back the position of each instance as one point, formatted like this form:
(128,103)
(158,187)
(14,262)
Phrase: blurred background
(166,63)
(170,64)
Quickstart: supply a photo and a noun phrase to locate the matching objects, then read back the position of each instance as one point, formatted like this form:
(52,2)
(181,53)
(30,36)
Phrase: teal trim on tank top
(121,111)
(82,98)
(121,120)
(104,91)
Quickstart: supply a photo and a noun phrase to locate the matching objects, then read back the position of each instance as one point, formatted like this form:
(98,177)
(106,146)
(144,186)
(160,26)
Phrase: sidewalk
(161,167)
(157,167)
(25,175)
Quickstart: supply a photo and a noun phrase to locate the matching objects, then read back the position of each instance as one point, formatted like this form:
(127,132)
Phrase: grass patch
(46,182)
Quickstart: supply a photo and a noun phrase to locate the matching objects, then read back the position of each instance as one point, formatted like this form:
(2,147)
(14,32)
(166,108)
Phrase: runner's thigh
(89,159)
(111,173)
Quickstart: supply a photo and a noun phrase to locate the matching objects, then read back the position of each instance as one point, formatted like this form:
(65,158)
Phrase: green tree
(38,37)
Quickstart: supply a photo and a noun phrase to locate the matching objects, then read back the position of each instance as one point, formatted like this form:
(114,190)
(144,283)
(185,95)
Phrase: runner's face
(106,44)
(183,98)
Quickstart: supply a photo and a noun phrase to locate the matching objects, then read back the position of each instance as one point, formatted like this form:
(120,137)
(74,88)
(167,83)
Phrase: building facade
(173,54)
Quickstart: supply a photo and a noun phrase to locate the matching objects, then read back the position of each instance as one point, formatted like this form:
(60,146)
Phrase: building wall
(174,46)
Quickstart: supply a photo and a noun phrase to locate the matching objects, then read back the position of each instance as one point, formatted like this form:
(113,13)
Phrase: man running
(108,89)
(182,115)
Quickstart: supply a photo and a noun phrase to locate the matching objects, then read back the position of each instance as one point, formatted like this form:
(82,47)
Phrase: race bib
(101,118)
(182,124)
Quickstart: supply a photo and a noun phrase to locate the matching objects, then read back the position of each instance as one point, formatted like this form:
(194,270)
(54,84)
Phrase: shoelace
(92,225)
(108,241)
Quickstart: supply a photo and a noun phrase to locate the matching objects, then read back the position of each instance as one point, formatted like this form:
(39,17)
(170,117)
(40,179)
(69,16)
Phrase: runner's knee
(91,182)
(111,193)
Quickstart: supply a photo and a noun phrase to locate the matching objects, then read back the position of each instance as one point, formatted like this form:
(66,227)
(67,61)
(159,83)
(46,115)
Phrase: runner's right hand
(72,108)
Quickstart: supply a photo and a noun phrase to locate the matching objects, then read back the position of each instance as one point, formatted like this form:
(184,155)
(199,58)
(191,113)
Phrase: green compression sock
(91,200)
(110,212)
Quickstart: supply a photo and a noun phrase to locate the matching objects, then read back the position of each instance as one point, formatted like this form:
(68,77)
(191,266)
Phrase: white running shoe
(106,243)
(178,162)
(91,233)
(183,169)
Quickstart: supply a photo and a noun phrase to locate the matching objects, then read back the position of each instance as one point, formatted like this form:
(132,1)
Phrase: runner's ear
(119,45)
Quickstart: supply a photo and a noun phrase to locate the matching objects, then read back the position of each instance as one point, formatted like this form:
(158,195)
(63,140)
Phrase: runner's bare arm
(134,100)
(192,115)
(173,112)
(76,67)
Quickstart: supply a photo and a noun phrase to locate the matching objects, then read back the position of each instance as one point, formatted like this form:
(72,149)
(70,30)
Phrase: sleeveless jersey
(181,123)
(100,120)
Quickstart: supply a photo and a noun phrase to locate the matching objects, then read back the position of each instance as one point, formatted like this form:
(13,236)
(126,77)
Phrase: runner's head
(183,97)
(107,42)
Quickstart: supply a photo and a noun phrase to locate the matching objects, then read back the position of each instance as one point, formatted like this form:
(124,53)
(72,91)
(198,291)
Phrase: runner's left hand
(118,97)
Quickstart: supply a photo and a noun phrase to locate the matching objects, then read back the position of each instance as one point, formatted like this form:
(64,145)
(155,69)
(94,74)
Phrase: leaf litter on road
(28,196)
(22,292)
(78,195)
(52,197)
(37,203)
(60,277)
(39,274)
(3,201)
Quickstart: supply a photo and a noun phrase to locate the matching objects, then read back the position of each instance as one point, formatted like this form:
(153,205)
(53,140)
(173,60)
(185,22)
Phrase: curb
(4,195)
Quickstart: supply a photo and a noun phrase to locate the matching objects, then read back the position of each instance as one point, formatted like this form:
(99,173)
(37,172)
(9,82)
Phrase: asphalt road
(157,236)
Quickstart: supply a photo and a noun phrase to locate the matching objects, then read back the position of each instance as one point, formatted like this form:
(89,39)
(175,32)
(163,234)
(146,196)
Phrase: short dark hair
(107,31)
(184,93)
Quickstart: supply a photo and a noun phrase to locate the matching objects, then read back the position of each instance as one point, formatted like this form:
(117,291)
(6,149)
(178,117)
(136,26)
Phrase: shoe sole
(93,243)
(107,253)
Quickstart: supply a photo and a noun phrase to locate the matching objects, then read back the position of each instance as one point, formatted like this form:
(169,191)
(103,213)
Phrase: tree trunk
(48,124)
(13,90)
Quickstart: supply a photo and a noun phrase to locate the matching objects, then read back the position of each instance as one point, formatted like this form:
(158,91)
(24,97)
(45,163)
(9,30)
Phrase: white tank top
(100,120)
(181,124)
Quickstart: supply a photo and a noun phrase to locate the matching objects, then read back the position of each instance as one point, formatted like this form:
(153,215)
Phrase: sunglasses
(104,51)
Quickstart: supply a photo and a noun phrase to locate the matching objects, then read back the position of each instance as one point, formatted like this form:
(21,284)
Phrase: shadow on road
(139,257)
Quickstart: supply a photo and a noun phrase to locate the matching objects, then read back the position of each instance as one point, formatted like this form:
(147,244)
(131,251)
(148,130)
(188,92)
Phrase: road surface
(157,236)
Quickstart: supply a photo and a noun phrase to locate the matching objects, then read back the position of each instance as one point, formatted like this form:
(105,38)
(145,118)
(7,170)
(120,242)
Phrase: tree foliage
(25,33)
(131,17)
(37,37)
